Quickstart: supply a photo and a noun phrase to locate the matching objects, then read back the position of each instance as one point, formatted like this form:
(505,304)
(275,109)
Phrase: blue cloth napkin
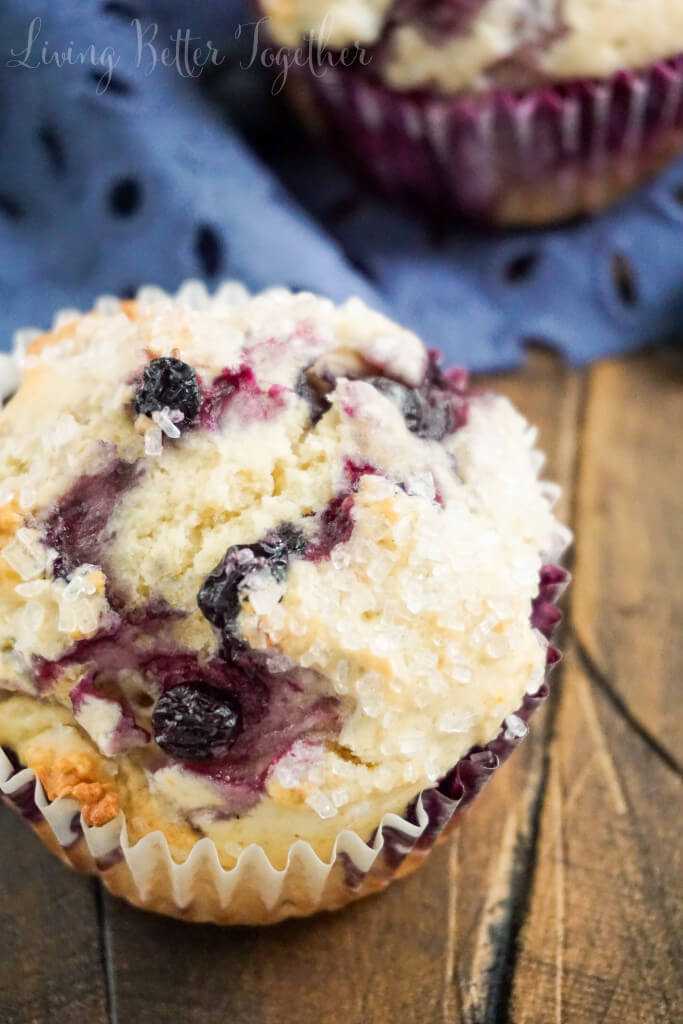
(117,171)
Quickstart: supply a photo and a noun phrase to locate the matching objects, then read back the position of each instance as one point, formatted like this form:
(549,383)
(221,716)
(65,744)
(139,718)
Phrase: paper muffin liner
(253,891)
(504,156)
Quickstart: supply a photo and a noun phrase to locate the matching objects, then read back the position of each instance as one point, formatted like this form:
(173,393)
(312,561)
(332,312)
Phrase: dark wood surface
(560,899)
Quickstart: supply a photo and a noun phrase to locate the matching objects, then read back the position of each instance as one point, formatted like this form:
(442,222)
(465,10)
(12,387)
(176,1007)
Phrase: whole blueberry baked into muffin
(512,111)
(276,594)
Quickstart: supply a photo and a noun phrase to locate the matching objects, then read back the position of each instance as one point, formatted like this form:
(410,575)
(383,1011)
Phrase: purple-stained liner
(458,788)
(436,809)
(445,802)
(24,801)
(24,798)
(463,154)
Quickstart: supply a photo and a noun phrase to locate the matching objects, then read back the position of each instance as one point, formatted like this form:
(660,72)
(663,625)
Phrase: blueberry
(168,383)
(196,722)
(429,413)
(279,545)
(317,399)
(219,595)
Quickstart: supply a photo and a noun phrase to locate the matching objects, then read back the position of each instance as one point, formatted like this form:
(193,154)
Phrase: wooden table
(560,899)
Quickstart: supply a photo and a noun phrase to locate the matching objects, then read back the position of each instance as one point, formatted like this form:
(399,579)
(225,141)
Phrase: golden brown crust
(128,306)
(10,521)
(77,775)
(52,337)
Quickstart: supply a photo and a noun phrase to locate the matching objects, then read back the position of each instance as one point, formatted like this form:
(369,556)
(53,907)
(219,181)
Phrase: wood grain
(559,900)
(627,612)
(377,960)
(603,937)
(498,836)
(51,966)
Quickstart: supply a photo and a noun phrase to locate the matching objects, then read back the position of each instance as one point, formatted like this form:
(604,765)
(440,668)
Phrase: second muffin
(508,111)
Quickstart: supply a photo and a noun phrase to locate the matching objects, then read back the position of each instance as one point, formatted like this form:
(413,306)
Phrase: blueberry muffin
(276,596)
(510,111)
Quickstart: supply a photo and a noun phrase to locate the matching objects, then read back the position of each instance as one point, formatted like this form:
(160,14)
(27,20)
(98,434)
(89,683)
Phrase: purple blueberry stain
(124,643)
(244,718)
(240,384)
(263,713)
(275,708)
(126,733)
(294,710)
(218,395)
(220,596)
(335,522)
(77,526)
(170,384)
(440,20)
(335,526)
(434,409)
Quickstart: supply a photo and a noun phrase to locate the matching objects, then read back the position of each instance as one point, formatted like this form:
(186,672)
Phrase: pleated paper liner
(253,891)
(503,157)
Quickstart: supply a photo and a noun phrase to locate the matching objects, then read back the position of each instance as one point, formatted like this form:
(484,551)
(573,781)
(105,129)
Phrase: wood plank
(602,933)
(603,936)
(381,956)
(560,897)
(434,947)
(498,837)
(51,967)
(629,553)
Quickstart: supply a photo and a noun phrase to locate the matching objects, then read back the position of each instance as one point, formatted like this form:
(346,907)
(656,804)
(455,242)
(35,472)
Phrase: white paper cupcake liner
(253,891)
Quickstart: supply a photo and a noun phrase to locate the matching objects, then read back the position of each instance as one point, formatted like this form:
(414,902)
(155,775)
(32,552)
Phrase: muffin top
(267,571)
(454,45)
